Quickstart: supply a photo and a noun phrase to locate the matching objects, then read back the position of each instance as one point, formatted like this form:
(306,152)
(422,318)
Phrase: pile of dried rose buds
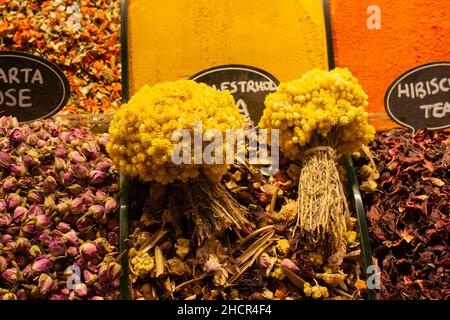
(58,213)
(408,213)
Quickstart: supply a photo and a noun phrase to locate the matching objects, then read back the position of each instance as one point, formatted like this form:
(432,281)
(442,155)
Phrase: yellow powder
(175,39)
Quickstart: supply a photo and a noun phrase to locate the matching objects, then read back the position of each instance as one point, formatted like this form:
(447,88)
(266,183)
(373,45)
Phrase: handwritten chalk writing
(437,110)
(422,89)
(13,98)
(21,76)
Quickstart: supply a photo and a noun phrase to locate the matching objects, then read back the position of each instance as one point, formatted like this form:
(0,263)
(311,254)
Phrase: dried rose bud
(97,176)
(16,135)
(2,205)
(3,264)
(10,276)
(8,296)
(102,245)
(103,166)
(264,199)
(63,207)
(21,294)
(35,196)
(49,202)
(103,141)
(289,265)
(110,205)
(17,169)
(41,143)
(5,238)
(88,198)
(72,252)
(10,183)
(74,189)
(76,206)
(80,171)
(68,177)
(35,210)
(24,182)
(96,298)
(5,160)
(113,238)
(81,290)
(60,153)
(100,195)
(13,201)
(56,247)
(46,284)
(5,219)
(114,271)
(264,261)
(84,224)
(32,139)
(88,250)
(41,264)
(64,136)
(71,238)
(89,150)
(30,161)
(56,297)
(50,184)
(63,227)
(89,277)
(76,157)
(35,251)
(23,244)
(97,211)
(42,221)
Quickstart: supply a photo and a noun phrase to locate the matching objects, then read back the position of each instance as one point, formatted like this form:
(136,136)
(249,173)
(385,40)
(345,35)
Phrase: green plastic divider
(361,216)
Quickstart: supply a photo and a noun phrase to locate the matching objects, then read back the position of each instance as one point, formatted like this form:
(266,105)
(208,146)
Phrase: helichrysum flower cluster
(320,105)
(142,263)
(142,129)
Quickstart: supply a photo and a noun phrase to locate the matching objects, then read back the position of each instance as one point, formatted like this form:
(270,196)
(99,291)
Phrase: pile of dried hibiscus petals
(261,262)
(408,213)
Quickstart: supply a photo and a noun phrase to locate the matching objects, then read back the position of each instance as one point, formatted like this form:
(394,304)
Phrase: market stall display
(58,213)
(408,203)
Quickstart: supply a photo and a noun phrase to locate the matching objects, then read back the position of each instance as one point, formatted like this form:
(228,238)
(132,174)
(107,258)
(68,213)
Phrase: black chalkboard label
(420,97)
(31,87)
(248,85)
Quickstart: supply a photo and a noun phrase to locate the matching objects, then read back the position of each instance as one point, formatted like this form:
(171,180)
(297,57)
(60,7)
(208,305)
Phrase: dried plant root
(322,205)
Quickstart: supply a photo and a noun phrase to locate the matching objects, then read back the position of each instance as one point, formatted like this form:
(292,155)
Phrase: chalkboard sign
(420,97)
(248,85)
(31,87)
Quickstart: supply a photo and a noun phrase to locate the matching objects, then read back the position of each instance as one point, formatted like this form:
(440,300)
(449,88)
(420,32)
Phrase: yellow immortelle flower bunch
(321,105)
(141,131)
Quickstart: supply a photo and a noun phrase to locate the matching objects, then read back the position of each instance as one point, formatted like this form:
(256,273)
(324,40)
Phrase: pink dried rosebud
(63,207)
(74,189)
(81,171)
(24,182)
(289,265)
(50,184)
(103,247)
(13,201)
(56,247)
(8,296)
(264,261)
(42,221)
(35,196)
(81,290)
(97,211)
(103,141)
(3,264)
(103,166)
(17,169)
(97,176)
(56,297)
(30,161)
(21,294)
(35,210)
(10,276)
(60,164)
(96,298)
(88,198)
(5,219)
(89,150)
(5,160)
(5,238)
(9,183)
(84,224)
(71,238)
(41,143)
(23,244)
(16,136)
(68,177)
(60,153)
(64,136)
(32,139)
(76,157)
(88,250)
(76,206)
(19,214)
(110,205)
(89,277)
(100,195)
(46,284)
(72,252)
(2,205)
(114,271)
(41,264)
(113,238)
(63,227)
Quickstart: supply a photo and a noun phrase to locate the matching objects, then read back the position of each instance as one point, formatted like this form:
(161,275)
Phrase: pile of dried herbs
(81,37)
(408,213)
(260,262)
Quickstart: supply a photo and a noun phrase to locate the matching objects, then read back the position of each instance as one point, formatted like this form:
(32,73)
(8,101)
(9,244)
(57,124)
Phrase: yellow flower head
(143,129)
(326,105)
